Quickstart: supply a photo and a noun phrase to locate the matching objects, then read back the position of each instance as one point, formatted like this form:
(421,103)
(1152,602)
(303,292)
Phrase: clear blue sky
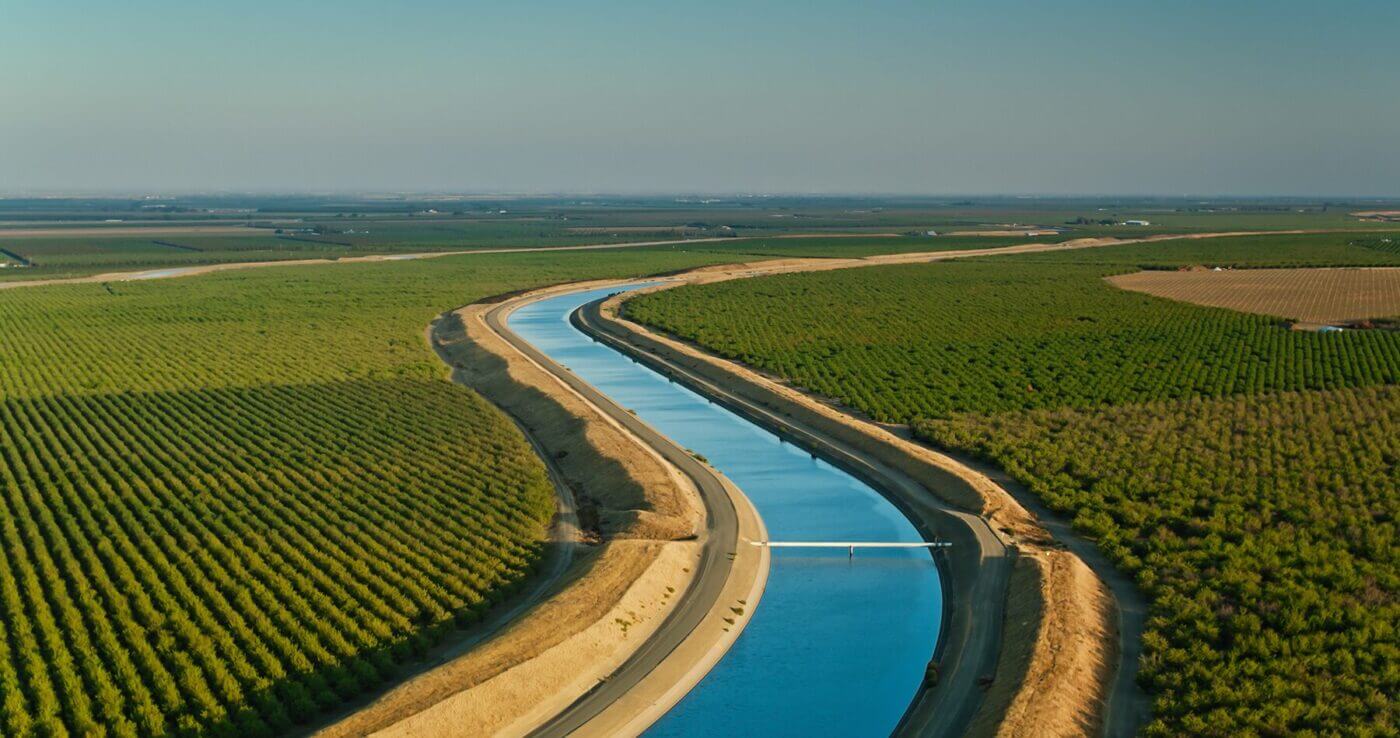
(1023,96)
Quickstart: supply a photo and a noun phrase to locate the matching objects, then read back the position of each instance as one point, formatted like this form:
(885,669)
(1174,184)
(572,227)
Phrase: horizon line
(390,193)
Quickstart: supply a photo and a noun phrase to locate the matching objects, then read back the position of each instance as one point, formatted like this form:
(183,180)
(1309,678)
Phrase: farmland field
(231,502)
(1281,251)
(75,251)
(1318,296)
(1387,244)
(63,238)
(50,257)
(1243,472)
(58,257)
(1262,528)
(1015,332)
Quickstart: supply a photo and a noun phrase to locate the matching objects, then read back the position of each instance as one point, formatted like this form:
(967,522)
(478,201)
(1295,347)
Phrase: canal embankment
(1019,608)
(648,561)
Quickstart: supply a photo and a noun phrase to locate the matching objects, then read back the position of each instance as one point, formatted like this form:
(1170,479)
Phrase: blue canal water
(837,646)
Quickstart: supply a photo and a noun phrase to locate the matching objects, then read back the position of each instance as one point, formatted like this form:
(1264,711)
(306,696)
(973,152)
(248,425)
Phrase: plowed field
(1323,296)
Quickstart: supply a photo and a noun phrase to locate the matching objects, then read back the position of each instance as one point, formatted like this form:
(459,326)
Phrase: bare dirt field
(1313,296)
(1383,216)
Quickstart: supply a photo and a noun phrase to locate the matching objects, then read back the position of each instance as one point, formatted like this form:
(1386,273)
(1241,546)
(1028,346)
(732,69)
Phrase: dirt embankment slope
(645,607)
(1058,639)
(638,518)
(621,493)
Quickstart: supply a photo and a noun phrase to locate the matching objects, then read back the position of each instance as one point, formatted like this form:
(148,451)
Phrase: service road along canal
(840,642)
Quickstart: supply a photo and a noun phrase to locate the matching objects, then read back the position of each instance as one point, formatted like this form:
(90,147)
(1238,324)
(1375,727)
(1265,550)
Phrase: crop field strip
(230,503)
(1244,473)
(49,258)
(1261,527)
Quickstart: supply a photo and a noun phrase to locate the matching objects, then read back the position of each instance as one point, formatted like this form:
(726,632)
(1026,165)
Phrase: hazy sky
(1024,96)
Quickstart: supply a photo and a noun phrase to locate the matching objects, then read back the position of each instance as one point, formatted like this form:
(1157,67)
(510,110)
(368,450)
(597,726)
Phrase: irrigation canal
(839,643)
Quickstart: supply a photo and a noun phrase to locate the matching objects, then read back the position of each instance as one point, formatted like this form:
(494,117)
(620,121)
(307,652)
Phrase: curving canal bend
(839,645)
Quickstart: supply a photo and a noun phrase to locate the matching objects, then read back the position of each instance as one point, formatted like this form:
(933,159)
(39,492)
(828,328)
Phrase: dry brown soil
(1058,636)
(1317,296)
(628,498)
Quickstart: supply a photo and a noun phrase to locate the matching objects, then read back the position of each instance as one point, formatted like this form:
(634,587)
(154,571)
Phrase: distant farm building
(1137,222)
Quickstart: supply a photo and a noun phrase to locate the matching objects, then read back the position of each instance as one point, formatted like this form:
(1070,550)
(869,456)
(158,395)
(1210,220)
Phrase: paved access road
(720,539)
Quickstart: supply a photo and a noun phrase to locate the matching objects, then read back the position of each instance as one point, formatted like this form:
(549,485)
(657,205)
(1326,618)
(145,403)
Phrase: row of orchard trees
(1263,531)
(225,508)
(910,342)
(158,576)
